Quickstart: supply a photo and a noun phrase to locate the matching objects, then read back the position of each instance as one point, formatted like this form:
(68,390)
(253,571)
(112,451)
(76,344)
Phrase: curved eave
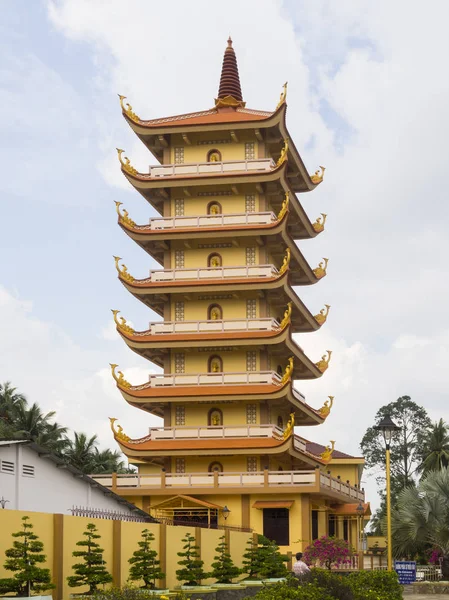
(146,129)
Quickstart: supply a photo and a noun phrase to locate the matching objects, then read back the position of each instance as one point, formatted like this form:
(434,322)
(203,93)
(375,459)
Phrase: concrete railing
(337,485)
(204,168)
(183,379)
(212,273)
(215,432)
(210,326)
(249,218)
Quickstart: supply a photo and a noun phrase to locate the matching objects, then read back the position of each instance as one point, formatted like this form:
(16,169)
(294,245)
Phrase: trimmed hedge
(325,585)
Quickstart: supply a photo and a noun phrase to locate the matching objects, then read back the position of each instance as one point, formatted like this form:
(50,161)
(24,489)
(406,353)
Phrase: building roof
(317,449)
(209,117)
(230,80)
(44,453)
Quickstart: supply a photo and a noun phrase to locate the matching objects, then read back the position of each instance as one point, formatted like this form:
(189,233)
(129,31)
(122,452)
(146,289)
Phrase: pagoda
(225,190)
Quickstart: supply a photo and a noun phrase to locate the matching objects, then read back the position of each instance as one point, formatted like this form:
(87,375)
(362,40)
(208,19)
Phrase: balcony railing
(211,326)
(187,379)
(249,218)
(257,479)
(215,432)
(247,271)
(204,168)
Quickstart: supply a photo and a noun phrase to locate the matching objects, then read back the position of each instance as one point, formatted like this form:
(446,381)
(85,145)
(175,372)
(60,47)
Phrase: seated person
(299,567)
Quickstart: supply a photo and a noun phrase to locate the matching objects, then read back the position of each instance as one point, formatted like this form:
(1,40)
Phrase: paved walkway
(425,596)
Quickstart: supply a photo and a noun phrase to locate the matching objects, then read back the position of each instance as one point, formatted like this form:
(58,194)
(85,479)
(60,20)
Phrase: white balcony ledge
(205,168)
(253,271)
(215,379)
(215,432)
(210,326)
(252,218)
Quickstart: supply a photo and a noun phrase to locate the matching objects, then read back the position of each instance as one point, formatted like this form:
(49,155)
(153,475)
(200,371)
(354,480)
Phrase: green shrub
(125,593)
(375,585)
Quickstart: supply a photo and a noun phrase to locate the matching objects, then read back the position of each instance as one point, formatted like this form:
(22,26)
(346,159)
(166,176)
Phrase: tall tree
(81,450)
(405,443)
(10,400)
(144,562)
(107,461)
(435,448)
(31,421)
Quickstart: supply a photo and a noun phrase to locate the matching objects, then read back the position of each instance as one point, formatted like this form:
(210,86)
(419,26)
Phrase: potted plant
(22,559)
(145,565)
(273,563)
(91,571)
(192,572)
(223,569)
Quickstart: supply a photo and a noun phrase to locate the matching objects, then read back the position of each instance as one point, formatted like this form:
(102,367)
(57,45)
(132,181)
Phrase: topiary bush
(375,585)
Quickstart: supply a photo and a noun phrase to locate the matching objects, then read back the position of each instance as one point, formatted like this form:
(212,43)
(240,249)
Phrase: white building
(31,478)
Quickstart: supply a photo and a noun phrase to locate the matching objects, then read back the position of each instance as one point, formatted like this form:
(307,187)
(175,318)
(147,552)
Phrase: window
(276,525)
(214,260)
(6,466)
(214,208)
(346,530)
(179,155)
(251,360)
(179,207)
(215,417)
(179,259)
(250,256)
(332,526)
(250,150)
(179,311)
(180,465)
(180,363)
(180,415)
(214,313)
(28,470)
(251,464)
(251,414)
(215,364)
(251,308)
(314,524)
(250,203)
(214,156)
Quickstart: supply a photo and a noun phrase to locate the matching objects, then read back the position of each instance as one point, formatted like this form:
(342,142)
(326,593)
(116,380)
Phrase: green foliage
(224,569)
(22,559)
(144,562)
(263,560)
(328,551)
(435,448)
(252,559)
(125,593)
(91,571)
(406,444)
(192,572)
(321,584)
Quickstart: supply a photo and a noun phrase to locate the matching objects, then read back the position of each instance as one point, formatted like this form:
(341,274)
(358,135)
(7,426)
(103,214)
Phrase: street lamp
(225,512)
(387,427)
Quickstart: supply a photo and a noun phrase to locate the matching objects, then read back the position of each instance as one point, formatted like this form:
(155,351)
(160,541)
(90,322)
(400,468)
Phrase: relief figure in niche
(214,156)
(215,417)
(215,364)
(214,261)
(214,208)
(215,313)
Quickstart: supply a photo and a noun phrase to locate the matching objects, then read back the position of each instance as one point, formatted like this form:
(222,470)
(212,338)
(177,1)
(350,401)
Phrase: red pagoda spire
(229,92)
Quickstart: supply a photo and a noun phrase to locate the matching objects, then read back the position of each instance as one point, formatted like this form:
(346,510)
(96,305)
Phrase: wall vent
(28,470)
(6,466)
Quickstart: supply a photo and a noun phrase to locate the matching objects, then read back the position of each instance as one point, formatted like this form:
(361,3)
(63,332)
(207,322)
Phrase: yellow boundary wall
(59,534)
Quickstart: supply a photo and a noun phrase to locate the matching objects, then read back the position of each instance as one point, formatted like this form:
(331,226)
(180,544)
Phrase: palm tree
(107,461)
(32,422)
(54,438)
(422,518)
(435,452)
(10,401)
(81,452)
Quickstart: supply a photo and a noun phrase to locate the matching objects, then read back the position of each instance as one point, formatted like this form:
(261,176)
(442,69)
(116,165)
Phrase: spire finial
(229,92)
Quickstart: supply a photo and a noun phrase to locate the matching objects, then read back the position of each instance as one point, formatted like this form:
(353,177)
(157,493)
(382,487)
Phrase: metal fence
(111,515)
(203,524)
(428,573)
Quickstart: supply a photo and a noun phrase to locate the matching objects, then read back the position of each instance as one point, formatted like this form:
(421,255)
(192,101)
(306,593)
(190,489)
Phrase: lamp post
(360,510)
(387,427)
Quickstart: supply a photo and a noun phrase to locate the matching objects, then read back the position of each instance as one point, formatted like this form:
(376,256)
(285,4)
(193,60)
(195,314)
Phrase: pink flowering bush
(328,552)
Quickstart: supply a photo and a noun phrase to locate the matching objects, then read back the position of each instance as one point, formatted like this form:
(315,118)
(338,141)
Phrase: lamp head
(225,511)
(360,509)
(387,427)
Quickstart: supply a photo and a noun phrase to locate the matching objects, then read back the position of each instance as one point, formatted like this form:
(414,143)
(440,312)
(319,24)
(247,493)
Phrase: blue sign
(406,570)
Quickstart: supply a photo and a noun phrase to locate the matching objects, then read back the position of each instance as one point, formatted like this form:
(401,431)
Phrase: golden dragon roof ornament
(122,325)
(120,380)
(124,216)
(286,261)
(322,316)
(321,270)
(289,428)
(323,364)
(123,270)
(119,434)
(284,207)
(283,156)
(125,163)
(325,410)
(288,371)
(318,177)
(283,97)
(128,109)
(287,316)
(326,455)
(319,223)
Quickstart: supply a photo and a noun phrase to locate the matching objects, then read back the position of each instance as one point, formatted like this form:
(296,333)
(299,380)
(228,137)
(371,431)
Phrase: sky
(367,98)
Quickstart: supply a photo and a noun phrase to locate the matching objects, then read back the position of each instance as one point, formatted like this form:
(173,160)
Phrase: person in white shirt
(299,567)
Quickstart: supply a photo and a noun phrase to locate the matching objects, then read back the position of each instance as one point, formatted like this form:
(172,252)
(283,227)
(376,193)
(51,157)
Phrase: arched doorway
(215,417)
(214,260)
(214,208)
(215,364)
(214,155)
(216,467)
(214,313)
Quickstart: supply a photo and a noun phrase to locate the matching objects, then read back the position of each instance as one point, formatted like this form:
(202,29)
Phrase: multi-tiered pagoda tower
(226,238)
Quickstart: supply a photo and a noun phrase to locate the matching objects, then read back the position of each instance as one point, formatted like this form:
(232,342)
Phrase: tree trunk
(445,567)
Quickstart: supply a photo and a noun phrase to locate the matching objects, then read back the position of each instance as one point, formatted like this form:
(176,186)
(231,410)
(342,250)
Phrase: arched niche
(215,417)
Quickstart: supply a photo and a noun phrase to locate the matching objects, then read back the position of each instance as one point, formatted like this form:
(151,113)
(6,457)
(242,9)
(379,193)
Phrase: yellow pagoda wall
(194,206)
(197,152)
(196,414)
(197,311)
(197,362)
(198,257)
(347,472)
